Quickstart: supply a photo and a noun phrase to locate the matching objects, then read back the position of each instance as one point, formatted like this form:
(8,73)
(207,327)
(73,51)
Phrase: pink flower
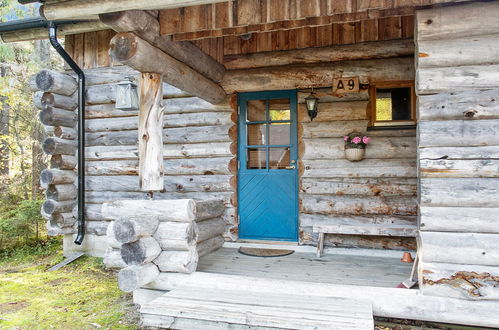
(356,140)
(345,138)
(366,139)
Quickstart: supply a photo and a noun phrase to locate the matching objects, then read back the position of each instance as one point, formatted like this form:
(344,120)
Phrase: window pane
(393,104)
(255,110)
(256,134)
(278,158)
(279,133)
(279,109)
(256,158)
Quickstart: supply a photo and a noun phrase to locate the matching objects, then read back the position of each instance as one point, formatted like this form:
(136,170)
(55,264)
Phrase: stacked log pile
(149,237)
(57,101)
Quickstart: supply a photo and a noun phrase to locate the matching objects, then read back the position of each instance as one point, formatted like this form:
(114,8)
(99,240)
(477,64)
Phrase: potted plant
(355,146)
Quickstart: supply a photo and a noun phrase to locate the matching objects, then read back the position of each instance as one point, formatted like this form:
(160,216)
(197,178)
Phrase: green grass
(81,295)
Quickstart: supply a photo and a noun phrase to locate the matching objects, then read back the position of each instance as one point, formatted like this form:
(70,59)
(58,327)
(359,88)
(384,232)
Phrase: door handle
(290,167)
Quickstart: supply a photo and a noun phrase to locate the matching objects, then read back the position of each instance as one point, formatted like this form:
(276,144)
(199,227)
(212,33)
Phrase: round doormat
(257,252)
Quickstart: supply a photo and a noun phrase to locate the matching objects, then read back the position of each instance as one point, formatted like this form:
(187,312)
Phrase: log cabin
(195,128)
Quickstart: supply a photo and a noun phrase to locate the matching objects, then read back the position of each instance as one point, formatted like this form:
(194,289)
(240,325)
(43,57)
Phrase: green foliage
(20,221)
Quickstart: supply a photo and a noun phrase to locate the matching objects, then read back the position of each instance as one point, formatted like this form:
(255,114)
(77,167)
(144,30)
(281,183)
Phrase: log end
(46,177)
(123,46)
(128,279)
(48,145)
(49,206)
(44,80)
(47,99)
(124,231)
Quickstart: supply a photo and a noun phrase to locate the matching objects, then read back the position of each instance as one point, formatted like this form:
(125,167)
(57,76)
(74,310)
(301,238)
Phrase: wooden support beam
(79,8)
(361,51)
(151,132)
(147,27)
(133,51)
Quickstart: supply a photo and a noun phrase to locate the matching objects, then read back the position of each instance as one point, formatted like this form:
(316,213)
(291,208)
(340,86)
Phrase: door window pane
(279,133)
(256,158)
(255,110)
(256,134)
(279,109)
(278,158)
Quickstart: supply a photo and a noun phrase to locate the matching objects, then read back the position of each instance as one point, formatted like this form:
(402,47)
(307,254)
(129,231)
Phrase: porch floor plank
(184,308)
(300,266)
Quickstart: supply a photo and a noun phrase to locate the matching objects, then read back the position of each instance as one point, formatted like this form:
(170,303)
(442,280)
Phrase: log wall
(458,149)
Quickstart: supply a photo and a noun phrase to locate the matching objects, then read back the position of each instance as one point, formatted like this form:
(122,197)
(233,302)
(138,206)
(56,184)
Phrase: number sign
(345,85)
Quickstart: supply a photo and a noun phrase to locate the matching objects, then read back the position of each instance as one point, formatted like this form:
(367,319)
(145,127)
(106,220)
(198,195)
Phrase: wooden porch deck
(335,268)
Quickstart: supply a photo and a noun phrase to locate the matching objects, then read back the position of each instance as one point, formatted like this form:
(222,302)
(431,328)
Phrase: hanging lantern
(311,103)
(127,97)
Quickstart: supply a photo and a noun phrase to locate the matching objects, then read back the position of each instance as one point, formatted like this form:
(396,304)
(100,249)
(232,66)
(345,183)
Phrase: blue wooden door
(268,174)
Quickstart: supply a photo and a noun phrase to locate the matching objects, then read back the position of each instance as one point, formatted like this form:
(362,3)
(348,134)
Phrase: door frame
(292,95)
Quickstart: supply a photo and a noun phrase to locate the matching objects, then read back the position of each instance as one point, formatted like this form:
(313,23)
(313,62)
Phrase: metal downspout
(81,129)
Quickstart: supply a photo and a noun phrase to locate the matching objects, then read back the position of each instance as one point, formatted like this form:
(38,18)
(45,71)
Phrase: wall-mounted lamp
(311,103)
(127,97)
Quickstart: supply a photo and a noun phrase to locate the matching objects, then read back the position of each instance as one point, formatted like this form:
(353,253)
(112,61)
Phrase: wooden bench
(376,229)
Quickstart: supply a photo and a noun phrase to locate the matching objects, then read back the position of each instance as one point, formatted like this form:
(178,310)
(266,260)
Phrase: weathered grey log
(99,197)
(107,110)
(178,261)
(209,245)
(150,132)
(467,248)
(113,260)
(57,117)
(129,49)
(58,231)
(193,105)
(56,82)
(140,252)
(63,162)
(310,220)
(111,240)
(209,228)
(51,207)
(209,209)
(61,192)
(101,94)
(445,168)
(98,228)
(55,145)
(66,133)
(332,129)
(49,130)
(202,118)
(59,101)
(470,282)
(131,229)
(175,235)
(367,187)
(147,27)
(359,51)
(133,277)
(353,110)
(117,138)
(460,219)
(92,212)
(325,95)
(37,99)
(55,176)
(114,124)
(62,220)
(470,104)
(181,210)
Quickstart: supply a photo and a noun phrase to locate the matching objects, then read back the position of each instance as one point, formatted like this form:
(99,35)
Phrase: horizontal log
(470,282)
(459,152)
(476,50)
(358,51)
(133,51)
(52,207)
(55,145)
(317,75)
(310,220)
(62,220)
(381,148)
(210,245)
(54,100)
(327,112)
(205,166)
(55,176)
(131,229)
(208,229)
(380,205)
(63,162)
(208,209)
(194,104)
(335,186)
(175,235)
(57,117)
(182,210)
(472,168)
(460,219)
(37,99)
(49,130)
(476,104)
(109,75)
(66,133)
(112,259)
(140,252)
(333,129)
(467,248)
(98,228)
(443,23)
(93,212)
(100,197)
(100,94)
(107,110)
(325,95)
(133,277)
(458,133)
(367,168)
(57,231)
(56,82)
(178,261)
(449,79)
(465,192)
(61,192)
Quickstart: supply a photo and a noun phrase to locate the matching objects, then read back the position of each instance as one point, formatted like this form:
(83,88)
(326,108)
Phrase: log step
(200,308)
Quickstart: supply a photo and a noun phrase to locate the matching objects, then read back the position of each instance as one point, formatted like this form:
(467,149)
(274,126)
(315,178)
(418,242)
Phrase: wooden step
(203,308)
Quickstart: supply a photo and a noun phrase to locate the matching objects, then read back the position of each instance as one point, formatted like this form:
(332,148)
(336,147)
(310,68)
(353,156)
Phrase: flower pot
(354,154)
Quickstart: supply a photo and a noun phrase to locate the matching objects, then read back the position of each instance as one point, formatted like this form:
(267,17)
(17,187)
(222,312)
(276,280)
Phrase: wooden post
(151,132)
